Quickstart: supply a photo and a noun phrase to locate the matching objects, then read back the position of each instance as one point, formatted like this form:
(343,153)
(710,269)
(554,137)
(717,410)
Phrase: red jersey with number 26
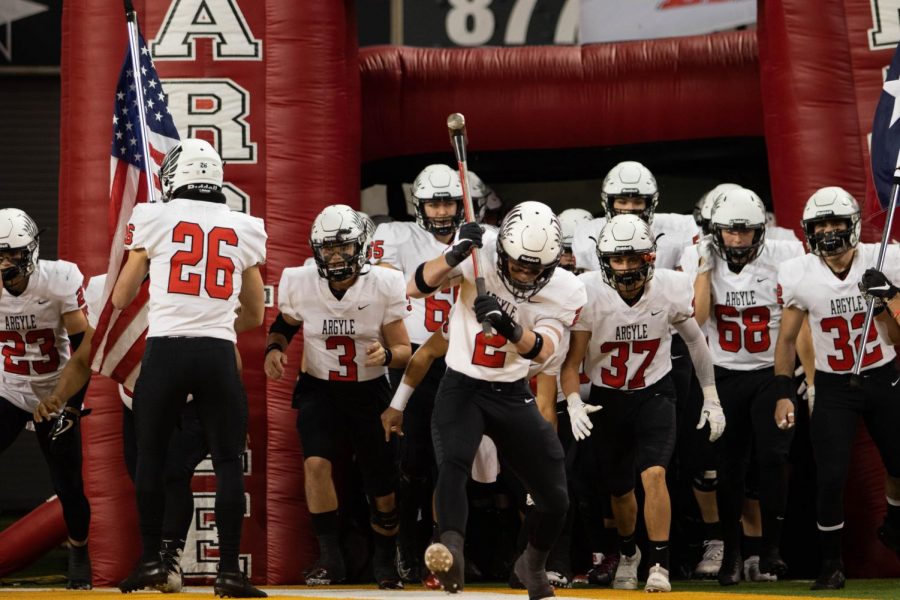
(837,311)
(630,346)
(198,251)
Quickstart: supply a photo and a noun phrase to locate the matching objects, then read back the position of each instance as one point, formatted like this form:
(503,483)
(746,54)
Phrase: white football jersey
(34,339)
(744,313)
(674,233)
(198,252)
(336,332)
(549,313)
(837,310)
(404,246)
(630,346)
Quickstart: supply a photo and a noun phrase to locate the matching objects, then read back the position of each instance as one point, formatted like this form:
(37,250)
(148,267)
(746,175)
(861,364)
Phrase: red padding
(32,536)
(561,96)
(312,116)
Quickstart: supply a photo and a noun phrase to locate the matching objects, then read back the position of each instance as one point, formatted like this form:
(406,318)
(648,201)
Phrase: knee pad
(388,521)
(708,481)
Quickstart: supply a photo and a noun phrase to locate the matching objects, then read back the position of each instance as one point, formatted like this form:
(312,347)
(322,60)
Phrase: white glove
(712,413)
(704,250)
(811,399)
(578,415)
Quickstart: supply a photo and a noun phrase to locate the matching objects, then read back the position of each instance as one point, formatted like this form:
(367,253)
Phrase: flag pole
(879,263)
(133,43)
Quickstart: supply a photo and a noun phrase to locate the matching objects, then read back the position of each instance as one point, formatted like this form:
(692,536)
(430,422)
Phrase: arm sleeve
(288,291)
(700,355)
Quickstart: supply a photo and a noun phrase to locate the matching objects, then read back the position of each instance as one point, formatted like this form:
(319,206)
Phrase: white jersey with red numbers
(549,313)
(198,252)
(744,313)
(673,233)
(336,332)
(32,333)
(836,309)
(630,346)
(404,246)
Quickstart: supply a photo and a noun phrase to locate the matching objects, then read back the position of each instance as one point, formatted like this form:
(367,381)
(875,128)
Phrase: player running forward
(352,317)
(823,286)
(42,310)
(529,303)
(735,292)
(623,339)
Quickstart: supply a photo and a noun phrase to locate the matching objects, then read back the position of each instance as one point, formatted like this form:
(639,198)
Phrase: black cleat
(146,575)
(79,574)
(447,566)
(537,583)
(408,565)
(236,585)
(831,577)
(890,537)
(320,574)
(731,570)
(771,563)
(384,566)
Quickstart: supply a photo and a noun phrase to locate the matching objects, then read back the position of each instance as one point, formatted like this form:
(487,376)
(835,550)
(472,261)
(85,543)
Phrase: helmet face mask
(529,246)
(627,252)
(831,204)
(192,169)
(339,242)
(19,243)
(733,212)
(630,180)
(438,184)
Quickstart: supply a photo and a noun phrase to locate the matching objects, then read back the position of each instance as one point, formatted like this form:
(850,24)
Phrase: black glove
(62,435)
(874,283)
(469,237)
(487,308)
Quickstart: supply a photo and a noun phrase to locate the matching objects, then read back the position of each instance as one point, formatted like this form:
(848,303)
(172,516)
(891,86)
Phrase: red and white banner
(615,20)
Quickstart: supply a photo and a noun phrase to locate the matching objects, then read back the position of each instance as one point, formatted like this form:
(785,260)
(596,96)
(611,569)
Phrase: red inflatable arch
(317,107)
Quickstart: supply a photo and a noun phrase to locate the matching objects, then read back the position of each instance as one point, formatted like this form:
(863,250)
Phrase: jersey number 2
(847,357)
(215,262)
(12,354)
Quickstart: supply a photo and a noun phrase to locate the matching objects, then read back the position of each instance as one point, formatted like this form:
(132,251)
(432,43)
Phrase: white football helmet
(630,179)
(738,209)
(626,235)
(484,199)
(192,165)
(568,221)
(703,208)
(826,204)
(369,226)
(531,236)
(437,182)
(19,232)
(338,225)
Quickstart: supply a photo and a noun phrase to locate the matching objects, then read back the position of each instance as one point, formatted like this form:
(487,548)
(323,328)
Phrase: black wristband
(536,349)
(280,326)
(273,346)
(784,387)
(388,357)
(421,284)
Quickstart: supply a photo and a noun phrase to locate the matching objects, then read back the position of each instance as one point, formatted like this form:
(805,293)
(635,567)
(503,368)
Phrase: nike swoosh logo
(43,301)
(362,307)
(653,314)
(529,400)
(676,356)
(895,382)
(660,547)
(69,424)
(760,280)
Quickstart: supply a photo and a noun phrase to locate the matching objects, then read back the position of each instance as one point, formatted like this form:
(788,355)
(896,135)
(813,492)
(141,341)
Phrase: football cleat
(709,565)
(770,562)
(603,573)
(558,580)
(831,577)
(626,573)
(148,574)
(658,580)
(752,572)
(320,574)
(79,573)
(172,561)
(730,571)
(447,567)
(236,585)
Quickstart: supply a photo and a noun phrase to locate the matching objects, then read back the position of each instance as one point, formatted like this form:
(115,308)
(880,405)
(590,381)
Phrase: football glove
(875,284)
(63,430)
(487,308)
(712,413)
(704,250)
(579,416)
(469,238)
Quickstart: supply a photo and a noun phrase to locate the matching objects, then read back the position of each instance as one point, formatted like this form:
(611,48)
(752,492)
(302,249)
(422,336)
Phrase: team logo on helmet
(530,236)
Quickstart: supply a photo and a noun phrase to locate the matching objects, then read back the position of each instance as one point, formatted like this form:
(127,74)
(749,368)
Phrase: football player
(623,339)
(703,208)
(437,195)
(735,284)
(202,259)
(352,317)
(489,207)
(569,220)
(528,303)
(823,285)
(43,311)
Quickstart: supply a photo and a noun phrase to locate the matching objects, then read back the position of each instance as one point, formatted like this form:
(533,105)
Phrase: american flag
(118,344)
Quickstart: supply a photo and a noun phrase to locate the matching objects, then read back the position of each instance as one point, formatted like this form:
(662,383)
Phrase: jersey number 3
(14,350)
(219,269)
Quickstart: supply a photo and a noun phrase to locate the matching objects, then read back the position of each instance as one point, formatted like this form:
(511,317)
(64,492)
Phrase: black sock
(626,545)
(326,525)
(751,546)
(172,546)
(772,523)
(831,544)
(712,531)
(659,554)
(229,518)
